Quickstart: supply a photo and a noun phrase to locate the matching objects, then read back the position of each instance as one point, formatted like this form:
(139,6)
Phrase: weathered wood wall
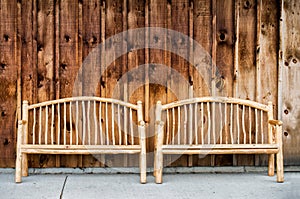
(44,42)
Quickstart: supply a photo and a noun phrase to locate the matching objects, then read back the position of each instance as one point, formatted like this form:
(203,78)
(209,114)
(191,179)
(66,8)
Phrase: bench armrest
(275,122)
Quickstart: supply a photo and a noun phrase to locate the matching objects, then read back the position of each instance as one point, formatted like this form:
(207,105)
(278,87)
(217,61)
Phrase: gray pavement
(200,185)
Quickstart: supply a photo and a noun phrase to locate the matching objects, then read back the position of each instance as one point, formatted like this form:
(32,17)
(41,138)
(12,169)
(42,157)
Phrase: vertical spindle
(185,125)
(213,121)
(34,123)
(46,125)
(178,125)
(125,125)
(58,123)
(52,124)
(231,123)
(190,121)
(106,123)
(173,126)
(71,123)
(208,129)
(65,124)
(243,124)
(83,122)
(100,123)
(76,123)
(168,127)
(40,126)
(202,123)
(89,122)
(119,125)
(238,123)
(256,127)
(113,124)
(261,126)
(221,123)
(95,123)
(131,126)
(250,126)
(225,122)
(196,122)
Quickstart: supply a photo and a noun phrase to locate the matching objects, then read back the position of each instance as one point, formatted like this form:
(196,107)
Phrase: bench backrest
(82,121)
(215,120)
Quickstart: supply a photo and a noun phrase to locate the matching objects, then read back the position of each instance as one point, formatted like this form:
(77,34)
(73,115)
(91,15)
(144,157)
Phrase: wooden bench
(217,125)
(80,125)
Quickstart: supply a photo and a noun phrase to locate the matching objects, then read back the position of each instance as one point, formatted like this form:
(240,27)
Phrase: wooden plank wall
(44,42)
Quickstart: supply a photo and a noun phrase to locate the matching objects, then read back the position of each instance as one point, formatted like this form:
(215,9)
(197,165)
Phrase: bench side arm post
(279,156)
(271,163)
(18,174)
(25,137)
(142,137)
(158,156)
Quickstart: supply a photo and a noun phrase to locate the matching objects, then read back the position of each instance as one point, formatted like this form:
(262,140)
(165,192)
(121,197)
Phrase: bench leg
(24,165)
(143,162)
(158,154)
(143,168)
(159,168)
(279,156)
(18,175)
(143,154)
(271,165)
(280,173)
(155,156)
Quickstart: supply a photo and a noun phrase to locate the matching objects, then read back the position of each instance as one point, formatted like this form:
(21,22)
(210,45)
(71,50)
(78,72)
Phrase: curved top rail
(84,98)
(216,99)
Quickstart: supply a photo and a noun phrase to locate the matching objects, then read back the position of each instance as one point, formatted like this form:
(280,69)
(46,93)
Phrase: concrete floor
(200,185)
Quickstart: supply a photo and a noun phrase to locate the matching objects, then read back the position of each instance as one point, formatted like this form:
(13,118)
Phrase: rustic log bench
(217,125)
(81,125)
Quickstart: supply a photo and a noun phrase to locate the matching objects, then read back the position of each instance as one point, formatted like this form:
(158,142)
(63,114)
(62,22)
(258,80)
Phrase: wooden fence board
(202,33)
(113,25)
(290,82)
(68,58)
(44,50)
(135,58)
(180,67)
(8,79)
(267,53)
(246,58)
(91,36)
(28,33)
(223,55)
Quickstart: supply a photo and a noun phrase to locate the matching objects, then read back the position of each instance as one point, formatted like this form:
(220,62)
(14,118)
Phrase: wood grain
(8,79)
(290,78)
(68,59)
(43,44)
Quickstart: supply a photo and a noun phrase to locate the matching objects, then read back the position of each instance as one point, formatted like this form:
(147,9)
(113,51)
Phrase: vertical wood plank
(157,17)
(134,17)
(44,30)
(57,59)
(8,79)
(113,25)
(28,57)
(202,33)
(223,55)
(290,81)
(179,22)
(268,56)
(68,64)
(91,37)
